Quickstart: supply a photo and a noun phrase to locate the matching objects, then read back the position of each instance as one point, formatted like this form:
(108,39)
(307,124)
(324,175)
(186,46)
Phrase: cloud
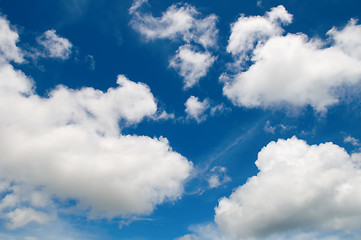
(269,128)
(54,45)
(69,145)
(191,65)
(23,216)
(8,40)
(179,21)
(352,140)
(247,32)
(195,109)
(218,177)
(309,71)
(299,188)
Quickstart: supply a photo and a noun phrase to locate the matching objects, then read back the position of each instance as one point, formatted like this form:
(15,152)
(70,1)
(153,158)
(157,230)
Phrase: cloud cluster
(299,187)
(69,145)
(309,71)
(180,22)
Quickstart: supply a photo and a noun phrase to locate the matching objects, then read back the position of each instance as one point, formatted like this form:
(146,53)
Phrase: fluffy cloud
(54,45)
(196,109)
(69,145)
(307,70)
(191,65)
(180,21)
(247,32)
(298,188)
(8,40)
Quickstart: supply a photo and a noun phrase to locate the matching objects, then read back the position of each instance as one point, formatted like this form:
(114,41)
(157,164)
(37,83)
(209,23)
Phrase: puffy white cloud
(54,45)
(178,21)
(348,39)
(196,109)
(69,145)
(307,71)
(247,32)
(191,65)
(299,188)
(8,40)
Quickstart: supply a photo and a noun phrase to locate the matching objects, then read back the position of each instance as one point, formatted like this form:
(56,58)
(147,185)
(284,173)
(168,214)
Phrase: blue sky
(193,120)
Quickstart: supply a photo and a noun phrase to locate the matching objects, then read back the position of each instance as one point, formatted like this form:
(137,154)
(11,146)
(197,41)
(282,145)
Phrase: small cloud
(218,177)
(192,65)
(195,109)
(268,128)
(54,45)
(352,140)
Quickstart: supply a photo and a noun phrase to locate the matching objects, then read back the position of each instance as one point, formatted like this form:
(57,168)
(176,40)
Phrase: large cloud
(299,188)
(69,146)
(308,71)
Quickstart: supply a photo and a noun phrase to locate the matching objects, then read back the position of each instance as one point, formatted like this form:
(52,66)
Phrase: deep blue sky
(232,138)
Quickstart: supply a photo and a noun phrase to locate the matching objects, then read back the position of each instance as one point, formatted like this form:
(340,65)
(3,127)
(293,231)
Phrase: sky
(191,120)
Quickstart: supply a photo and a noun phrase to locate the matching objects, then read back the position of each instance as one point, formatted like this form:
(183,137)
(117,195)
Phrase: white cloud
(191,65)
(188,237)
(54,45)
(23,216)
(218,177)
(196,109)
(8,40)
(69,145)
(178,21)
(247,32)
(307,72)
(309,189)
(136,4)
(352,140)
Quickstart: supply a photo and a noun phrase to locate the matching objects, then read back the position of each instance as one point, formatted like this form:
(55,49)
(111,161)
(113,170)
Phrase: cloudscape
(181,120)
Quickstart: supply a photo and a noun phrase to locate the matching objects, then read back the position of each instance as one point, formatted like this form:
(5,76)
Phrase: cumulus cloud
(308,71)
(180,22)
(8,39)
(299,188)
(191,65)
(69,145)
(196,109)
(247,32)
(54,45)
